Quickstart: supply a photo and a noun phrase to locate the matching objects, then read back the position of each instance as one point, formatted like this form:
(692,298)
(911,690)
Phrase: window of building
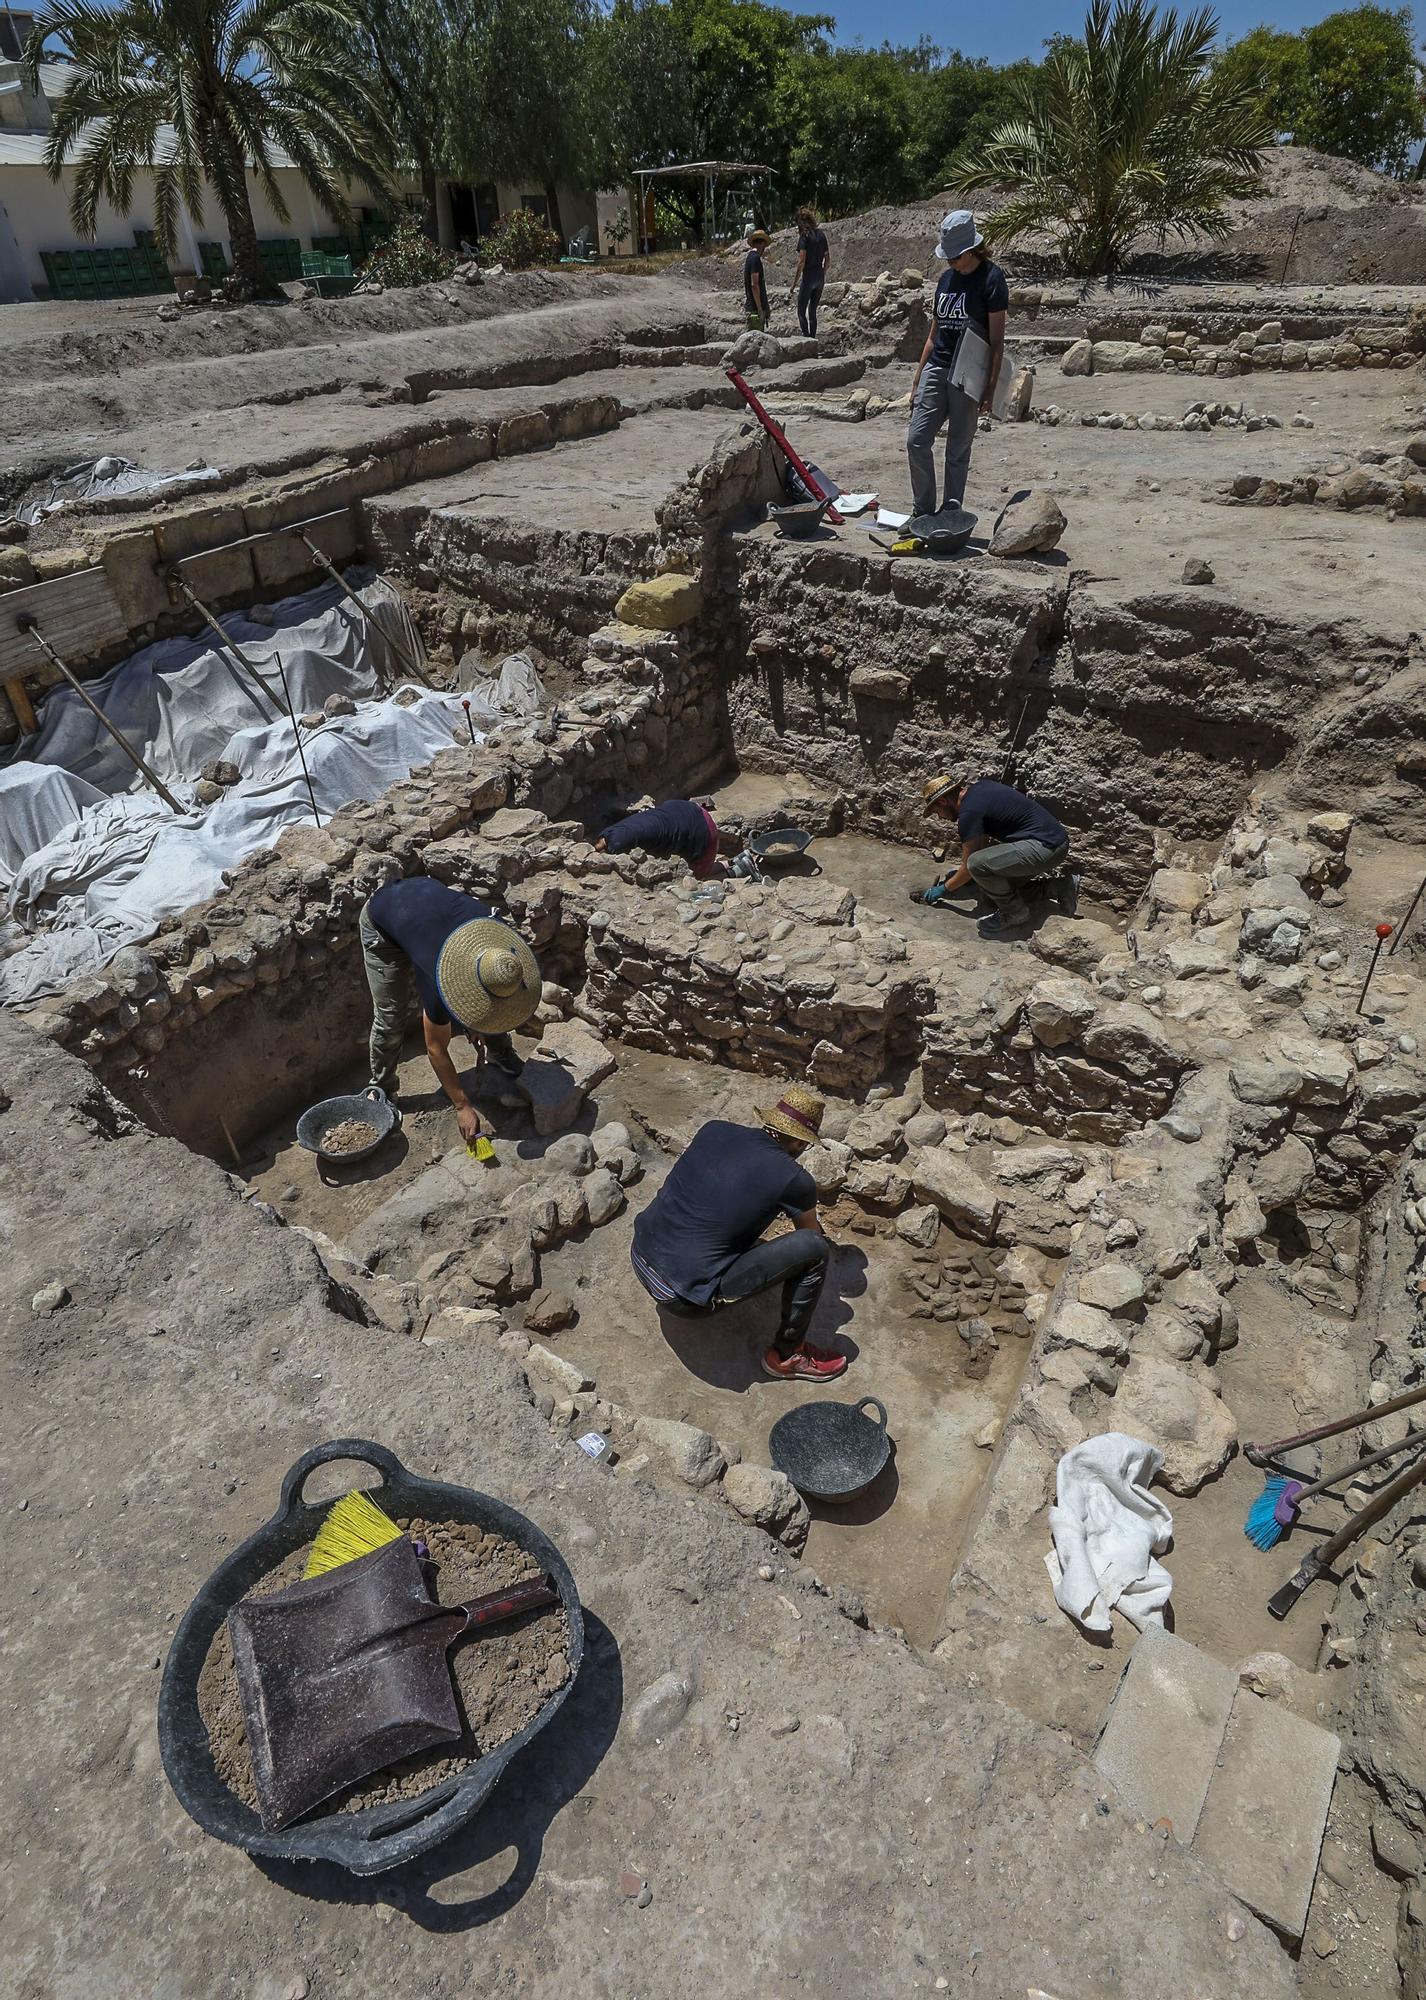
(537,206)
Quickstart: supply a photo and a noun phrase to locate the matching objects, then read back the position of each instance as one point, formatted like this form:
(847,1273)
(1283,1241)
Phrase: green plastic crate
(213,260)
(281,257)
(335,246)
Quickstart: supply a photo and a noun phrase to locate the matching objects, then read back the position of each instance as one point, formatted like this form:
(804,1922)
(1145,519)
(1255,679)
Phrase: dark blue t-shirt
(716,1203)
(1001,813)
(754,282)
(966,299)
(676,827)
(814,271)
(417,916)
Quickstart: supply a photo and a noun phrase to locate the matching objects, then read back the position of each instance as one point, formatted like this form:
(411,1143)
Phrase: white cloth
(1107,1529)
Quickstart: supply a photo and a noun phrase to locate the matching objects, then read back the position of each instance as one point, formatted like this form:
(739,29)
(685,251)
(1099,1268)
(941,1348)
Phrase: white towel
(1107,1529)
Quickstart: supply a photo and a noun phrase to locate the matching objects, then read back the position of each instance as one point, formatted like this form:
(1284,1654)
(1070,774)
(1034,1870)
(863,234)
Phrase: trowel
(344,1673)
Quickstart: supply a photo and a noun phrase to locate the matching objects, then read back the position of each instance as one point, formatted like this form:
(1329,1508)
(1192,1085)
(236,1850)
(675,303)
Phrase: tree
(957,102)
(194,90)
(850,112)
(1351,85)
(1131,130)
(406,49)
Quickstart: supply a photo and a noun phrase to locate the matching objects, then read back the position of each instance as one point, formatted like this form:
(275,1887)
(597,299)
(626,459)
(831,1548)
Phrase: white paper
(886,519)
(855,503)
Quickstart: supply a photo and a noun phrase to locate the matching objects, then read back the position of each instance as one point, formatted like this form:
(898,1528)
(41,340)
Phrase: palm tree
(1126,132)
(194,91)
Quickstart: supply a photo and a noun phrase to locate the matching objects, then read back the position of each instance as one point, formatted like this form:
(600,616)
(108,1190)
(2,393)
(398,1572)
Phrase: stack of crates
(281,258)
(213,262)
(108,274)
(336,246)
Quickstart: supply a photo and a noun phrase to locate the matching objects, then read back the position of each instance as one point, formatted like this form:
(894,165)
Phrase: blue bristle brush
(1278,1505)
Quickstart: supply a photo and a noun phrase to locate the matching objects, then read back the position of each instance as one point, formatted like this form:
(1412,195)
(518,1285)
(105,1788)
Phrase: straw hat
(796,1115)
(936,789)
(758,239)
(488,977)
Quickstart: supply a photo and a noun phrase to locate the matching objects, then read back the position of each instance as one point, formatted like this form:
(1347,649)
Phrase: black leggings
(808,300)
(797,1261)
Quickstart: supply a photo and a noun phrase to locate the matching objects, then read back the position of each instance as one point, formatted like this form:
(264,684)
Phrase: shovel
(345,1673)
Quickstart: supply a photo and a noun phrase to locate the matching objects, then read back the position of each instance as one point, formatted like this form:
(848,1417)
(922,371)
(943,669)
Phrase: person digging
(1008,843)
(696,1245)
(677,827)
(475,976)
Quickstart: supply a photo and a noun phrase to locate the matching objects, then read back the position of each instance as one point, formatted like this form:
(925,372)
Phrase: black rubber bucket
(831,1451)
(383,1836)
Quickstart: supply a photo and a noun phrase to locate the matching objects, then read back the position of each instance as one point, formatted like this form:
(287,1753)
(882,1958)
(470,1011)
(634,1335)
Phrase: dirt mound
(1352,226)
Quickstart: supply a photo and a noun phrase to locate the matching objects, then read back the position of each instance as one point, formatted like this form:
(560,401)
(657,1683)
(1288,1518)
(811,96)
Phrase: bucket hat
(488,977)
(796,1115)
(958,234)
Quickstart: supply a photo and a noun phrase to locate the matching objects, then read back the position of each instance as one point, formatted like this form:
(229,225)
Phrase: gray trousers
(393,998)
(998,872)
(938,403)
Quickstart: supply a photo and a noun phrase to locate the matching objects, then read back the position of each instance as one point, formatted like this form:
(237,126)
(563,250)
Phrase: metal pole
(325,562)
(1282,275)
(1402,927)
(1383,932)
(28,623)
(231,647)
(465,704)
(176,578)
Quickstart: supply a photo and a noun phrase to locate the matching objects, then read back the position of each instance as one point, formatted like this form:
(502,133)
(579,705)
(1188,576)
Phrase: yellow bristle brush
(354,1527)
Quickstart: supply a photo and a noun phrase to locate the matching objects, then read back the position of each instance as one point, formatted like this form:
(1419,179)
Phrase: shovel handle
(498,1605)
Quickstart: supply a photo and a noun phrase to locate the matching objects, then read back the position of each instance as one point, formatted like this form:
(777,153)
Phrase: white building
(34,210)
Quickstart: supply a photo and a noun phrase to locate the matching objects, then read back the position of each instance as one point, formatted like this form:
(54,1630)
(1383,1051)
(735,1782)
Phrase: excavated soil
(348,1137)
(502,1679)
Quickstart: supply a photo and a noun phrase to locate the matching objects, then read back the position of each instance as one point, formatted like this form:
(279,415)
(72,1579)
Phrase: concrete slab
(1262,1823)
(1165,1726)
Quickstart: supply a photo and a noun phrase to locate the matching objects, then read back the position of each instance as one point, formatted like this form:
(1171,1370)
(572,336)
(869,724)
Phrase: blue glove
(930,897)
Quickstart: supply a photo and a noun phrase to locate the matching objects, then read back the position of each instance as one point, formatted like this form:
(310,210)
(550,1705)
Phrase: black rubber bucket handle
(392,1471)
(879,1407)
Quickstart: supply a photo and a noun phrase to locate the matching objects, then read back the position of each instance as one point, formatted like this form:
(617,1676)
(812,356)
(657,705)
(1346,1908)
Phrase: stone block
(1028,526)
(523,433)
(879,684)
(1113,1288)
(662,603)
(1125,357)
(565,1067)
(967,1202)
(1059,1011)
(1176,891)
(1078,358)
(1161,1737)
(1173,1406)
(1076,943)
(690,1453)
(560,1376)
(1261,1826)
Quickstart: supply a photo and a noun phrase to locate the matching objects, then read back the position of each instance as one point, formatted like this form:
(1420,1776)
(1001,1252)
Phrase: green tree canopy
(1352,85)
(197,91)
(849,116)
(1130,131)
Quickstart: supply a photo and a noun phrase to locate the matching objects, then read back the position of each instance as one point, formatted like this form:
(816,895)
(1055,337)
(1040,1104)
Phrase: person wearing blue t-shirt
(474,975)
(971,292)
(697,1245)
(678,827)
(1007,842)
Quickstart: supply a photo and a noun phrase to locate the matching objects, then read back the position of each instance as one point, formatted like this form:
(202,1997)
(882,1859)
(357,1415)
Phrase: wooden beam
(79,615)
(24,708)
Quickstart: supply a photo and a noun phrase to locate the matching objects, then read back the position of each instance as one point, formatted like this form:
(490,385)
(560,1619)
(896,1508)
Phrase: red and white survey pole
(1383,932)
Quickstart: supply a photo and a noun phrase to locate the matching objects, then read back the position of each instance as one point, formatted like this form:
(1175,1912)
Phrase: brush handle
(1361,1464)
(1259,1454)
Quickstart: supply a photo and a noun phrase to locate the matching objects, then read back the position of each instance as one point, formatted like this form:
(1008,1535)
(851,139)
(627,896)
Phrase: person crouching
(677,827)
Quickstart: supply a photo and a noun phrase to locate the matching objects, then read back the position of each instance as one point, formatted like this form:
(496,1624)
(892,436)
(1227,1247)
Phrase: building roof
(27,149)
(22,149)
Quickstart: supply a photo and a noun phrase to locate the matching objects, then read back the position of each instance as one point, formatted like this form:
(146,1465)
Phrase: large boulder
(1076,943)
(1078,358)
(558,1077)
(1173,1405)
(968,1203)
(770,1500)
(1125,357)
(663,603)
(1028,525)
(1280,1177)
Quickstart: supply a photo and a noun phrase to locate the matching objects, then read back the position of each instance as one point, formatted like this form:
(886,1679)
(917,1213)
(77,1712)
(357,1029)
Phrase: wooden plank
(22,705)
(79,615)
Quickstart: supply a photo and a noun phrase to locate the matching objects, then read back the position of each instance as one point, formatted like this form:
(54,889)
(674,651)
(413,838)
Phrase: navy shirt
(966,299)
(754,282)
(417,916)
(676,827)
(1001,813)
(716,1203)
(814,271)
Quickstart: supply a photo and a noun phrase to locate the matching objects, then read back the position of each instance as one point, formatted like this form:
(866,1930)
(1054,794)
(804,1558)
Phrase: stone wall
(1163,347)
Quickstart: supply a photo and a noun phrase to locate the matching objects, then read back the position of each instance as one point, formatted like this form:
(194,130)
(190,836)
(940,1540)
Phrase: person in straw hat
(696,1246)
(475,976)
(755,299)
(1008,842)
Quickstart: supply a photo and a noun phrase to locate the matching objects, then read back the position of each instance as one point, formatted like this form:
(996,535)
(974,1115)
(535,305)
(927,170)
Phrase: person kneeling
(1007,842)
(696,1245)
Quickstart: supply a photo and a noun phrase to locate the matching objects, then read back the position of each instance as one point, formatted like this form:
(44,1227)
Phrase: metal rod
(465,704)
(176,577)
(28,623)
(779,438)
(1405,921)
(1282,275)
(229,645)
(1014,740)
(325,562)
(1383,932)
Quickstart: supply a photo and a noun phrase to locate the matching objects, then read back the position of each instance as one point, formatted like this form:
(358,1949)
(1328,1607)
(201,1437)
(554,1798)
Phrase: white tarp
(92,857)
(101,479)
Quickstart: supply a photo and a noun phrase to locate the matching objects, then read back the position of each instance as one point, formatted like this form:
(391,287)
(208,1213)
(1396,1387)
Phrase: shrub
(408,257)
(519,240)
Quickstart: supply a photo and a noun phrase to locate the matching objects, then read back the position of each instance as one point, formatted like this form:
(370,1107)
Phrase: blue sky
(1004,32)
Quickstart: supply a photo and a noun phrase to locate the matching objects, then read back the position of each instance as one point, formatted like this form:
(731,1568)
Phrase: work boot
(997,925)
(804,1364)
(501,1051)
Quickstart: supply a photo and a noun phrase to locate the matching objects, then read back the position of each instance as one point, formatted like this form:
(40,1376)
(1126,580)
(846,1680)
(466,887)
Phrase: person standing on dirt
(475,976)
(813,256)
(755,282)
(971,292)
(677,827)
(696,1245)
(1007,842)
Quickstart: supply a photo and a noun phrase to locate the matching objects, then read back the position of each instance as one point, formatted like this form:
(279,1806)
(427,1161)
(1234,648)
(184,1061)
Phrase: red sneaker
(804,1364)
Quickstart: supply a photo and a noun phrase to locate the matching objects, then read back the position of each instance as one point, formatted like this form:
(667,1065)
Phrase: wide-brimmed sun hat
(758,238)
(936,789)
(797,1114)
(958,234)
(488,977)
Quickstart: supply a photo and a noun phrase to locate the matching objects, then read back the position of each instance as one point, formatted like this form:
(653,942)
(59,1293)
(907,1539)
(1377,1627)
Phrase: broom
(354,1526)
(1278,1505)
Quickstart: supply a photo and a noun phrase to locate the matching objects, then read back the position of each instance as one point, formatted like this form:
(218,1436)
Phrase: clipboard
(970,371)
